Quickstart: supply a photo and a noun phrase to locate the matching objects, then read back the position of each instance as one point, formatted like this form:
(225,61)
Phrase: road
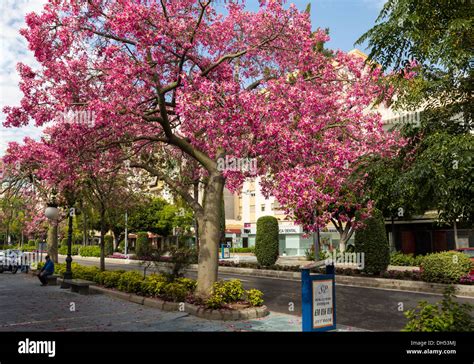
(364,308)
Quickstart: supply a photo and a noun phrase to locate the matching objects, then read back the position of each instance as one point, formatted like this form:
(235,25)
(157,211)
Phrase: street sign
(319,301)
(225,251)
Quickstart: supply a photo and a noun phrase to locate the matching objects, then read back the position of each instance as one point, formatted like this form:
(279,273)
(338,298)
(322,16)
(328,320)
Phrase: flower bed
(226,295)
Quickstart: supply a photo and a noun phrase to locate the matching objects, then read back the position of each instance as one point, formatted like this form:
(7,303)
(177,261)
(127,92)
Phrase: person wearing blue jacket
(47,270)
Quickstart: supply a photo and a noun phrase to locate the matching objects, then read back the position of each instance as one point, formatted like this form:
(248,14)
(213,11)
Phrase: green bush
(26,248)
(90,251)
(444,316)
(143,246)
(121,247)
(87,273)
(371,240)
(266,241)
(225,292)
(74,249)
(175,292)
(130,282)
(109,245)
(445,267)
(153,285)
(214,302)
(408,260)
(190,284)
(109,279)
(244,250)
(254,297)
(180,259)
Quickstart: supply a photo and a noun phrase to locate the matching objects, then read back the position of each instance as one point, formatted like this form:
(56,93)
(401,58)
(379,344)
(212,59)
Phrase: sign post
(225,251)
(318,300)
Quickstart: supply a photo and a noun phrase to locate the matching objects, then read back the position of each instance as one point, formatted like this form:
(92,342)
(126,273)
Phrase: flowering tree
(177,83)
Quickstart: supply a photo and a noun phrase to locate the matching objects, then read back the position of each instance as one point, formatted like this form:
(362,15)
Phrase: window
(262,207)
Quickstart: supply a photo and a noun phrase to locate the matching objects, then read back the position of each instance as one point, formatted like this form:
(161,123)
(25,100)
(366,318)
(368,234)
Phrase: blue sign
(318,300)
(225,251)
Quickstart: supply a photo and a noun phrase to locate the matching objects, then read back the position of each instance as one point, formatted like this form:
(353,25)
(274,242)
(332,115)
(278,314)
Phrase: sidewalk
(26,306)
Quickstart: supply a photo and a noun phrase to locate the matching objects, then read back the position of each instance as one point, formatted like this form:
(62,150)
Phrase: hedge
(89,251)
(407,260)
(445,267)
(266,241)
(74,249)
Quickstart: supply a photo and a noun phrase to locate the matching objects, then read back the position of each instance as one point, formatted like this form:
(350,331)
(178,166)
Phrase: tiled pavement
(26,306)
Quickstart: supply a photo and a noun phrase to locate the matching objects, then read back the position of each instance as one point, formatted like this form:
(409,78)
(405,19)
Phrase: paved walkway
(26,306)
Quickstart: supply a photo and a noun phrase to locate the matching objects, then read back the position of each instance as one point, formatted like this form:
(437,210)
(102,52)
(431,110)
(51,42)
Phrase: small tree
(266,242)
(109,245)
(142,248)
(371,240)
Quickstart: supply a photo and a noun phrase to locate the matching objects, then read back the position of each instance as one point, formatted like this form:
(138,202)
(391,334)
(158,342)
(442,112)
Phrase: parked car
(470,253)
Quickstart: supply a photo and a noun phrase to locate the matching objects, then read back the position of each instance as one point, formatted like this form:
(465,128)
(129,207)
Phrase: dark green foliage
(433,171)
(371,240)
(74,249)
(444,316)
(143,246)
(266,242)
(109,245)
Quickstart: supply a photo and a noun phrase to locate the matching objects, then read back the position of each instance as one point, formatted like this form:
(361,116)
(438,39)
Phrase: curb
(208,314)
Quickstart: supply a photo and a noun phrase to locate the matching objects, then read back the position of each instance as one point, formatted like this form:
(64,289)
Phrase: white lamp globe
(51,212)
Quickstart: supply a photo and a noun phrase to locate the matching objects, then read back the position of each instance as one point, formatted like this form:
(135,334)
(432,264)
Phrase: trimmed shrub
(401,259)
(109,279)
(254,297)
(371,240)
(90,251)
(190,284)
(176,292)
(121,247)
(143,246)
(74,249)
(225,292)
(445,316)
(153,285)
(266,241)
(244,250)
(130,282)
(445,267)
(109,245)
(87,273)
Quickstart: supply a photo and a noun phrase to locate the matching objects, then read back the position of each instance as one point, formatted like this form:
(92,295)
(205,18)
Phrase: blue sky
(346,19)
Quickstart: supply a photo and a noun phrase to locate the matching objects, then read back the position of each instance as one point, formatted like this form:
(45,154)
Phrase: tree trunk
(209,235)
(102,240)
(345,233)
(53,241)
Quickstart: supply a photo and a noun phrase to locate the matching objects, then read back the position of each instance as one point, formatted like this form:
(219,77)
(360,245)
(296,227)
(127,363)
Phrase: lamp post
(68,272)
(126,233)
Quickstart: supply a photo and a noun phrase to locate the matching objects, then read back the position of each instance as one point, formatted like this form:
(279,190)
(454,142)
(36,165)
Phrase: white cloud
(14,49)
